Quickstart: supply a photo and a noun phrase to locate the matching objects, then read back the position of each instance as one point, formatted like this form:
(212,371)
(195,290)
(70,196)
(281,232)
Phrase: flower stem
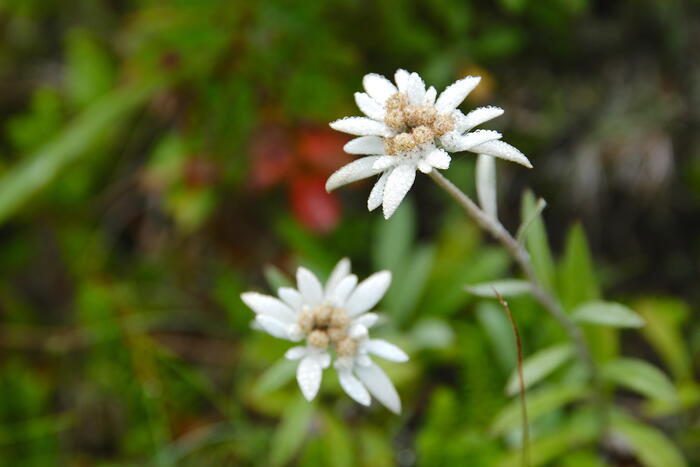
(546,299)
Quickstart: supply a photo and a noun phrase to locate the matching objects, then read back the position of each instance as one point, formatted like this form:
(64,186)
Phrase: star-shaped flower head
(332,320)
(409,127)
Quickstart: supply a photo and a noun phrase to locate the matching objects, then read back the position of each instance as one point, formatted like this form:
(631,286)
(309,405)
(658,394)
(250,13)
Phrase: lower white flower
(407,128)
(327,318)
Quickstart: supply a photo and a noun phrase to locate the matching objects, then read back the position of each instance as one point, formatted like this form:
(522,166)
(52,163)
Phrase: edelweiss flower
(334,317)
(407,128)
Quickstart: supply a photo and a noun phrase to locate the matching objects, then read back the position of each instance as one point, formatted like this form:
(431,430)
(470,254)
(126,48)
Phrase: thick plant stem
(547,300)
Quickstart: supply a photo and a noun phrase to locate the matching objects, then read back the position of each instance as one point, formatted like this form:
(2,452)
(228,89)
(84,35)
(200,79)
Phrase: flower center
(325,325)
(415,124)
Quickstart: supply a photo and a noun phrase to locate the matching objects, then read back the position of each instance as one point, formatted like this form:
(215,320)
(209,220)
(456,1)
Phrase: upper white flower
(409,127)
(334,317)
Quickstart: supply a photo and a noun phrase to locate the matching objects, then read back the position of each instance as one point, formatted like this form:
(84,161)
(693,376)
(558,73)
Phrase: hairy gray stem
(547,300)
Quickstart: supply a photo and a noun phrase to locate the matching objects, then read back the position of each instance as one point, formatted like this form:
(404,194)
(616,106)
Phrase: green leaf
(535,238)
(539,403)
(412,278)
(493,320)
(276,278)
(506,288)
(577,281)
(291,431)
(35,172)
(538,366)
(90,71)
(431,333)
(527,221)
(607,314)
(641,377)
(337,443)
(651,447)
(276,376)
(394,237)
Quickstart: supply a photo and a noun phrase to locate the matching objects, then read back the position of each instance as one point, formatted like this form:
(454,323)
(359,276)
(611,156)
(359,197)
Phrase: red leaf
(322,149)
(312,206)
(273,158)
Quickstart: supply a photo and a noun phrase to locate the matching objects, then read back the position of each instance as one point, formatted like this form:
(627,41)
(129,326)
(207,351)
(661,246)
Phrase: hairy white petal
(358,332)
(477,117)
(366,319)
(291,297)
(295,353)
(424,167)
(378,87)
(401,77)
(269,306)
(377,194)
(384,162)
(309,374)
(439,159)
(502,150)
(361,126)
(309,287)
(340,271)
(355,170)
(486,184)
(368,293)
(470,140)
(380,386)
(343,290)
(430,95)
(415,89)
(323,359)
(365,145)
(455,93)
(386,350)
(273,327)
(397,185)
(353,387)
(369,106)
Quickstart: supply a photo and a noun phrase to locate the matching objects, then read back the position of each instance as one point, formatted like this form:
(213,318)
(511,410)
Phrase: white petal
(369,106)
(455,93)
(397,185)
(378,87)
(340,271)
(295,353)
(386,350)
(361,126)
(366,319)
(377,193)
(309,377)
(380,386)
(353,387)
(322,358)
(424,167)
(343,290)
(309,287)
(273,327)
(468,141)
(477,117)
(439,159)
(384,162)
(291,297)
(430,95)
(401,77)
(358,332)
(269,306)
(365,145)
(355,170)
(368,293)
(486,184)
(502,150)
(415,89)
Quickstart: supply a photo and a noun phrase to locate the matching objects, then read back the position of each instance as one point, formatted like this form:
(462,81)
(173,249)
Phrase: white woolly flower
(409,127)
(331,318)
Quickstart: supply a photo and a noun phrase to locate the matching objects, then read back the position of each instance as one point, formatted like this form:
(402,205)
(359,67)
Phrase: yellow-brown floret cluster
(416,124)
(325,326)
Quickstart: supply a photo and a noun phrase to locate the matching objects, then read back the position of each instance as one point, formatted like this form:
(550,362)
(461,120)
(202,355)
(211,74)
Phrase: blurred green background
(158,158)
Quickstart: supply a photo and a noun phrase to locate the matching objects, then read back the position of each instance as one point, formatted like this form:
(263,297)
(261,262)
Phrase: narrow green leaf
(394,237)
(539,365)
(276,278)
(641,377)
(494,321)
(35,172)
(276,376)
(577,280)
(527,222)
(506,288)
(291,431)
(607,314)
(539,403)
(651,446)
(337,443)
(535,239)
(400,301)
